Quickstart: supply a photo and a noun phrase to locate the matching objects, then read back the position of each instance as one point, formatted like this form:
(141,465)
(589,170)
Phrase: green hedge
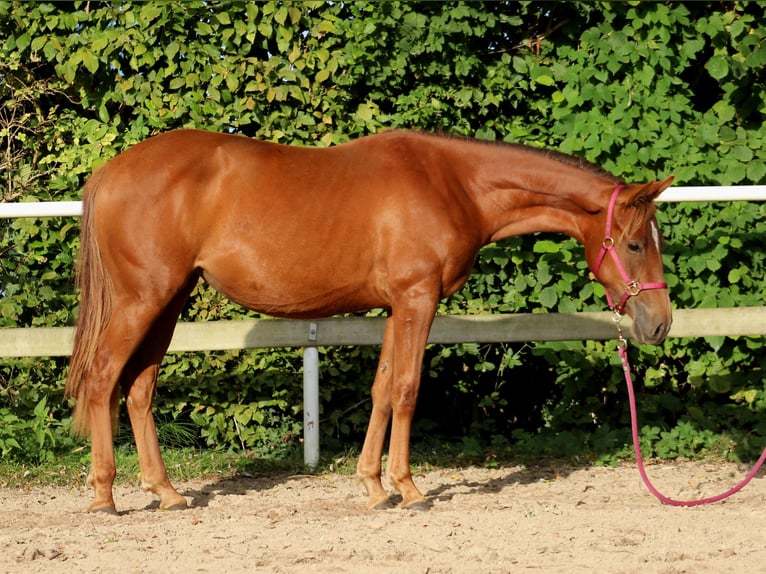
(644,89)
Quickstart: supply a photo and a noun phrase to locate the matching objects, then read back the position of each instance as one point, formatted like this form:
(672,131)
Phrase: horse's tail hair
(96,300)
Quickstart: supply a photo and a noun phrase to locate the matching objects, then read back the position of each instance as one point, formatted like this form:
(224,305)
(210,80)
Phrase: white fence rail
(673,194)
(254,333)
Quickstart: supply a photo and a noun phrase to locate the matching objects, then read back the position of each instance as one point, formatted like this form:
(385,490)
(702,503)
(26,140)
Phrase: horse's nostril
(659,332)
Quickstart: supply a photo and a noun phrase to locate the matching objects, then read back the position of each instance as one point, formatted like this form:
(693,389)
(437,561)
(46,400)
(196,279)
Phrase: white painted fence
(673,194)
(254,333)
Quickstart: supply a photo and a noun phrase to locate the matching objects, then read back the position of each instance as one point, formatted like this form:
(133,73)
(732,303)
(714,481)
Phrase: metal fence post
(311,401)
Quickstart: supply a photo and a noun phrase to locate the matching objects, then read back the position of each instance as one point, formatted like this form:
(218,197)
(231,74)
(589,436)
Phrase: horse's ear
(645,192)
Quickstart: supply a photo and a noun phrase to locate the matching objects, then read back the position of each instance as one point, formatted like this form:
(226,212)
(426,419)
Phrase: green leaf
(727,134)
(756,171)
(549,297)
(204,29)
(709,133)
(742,153)
(281,15)
(149,12)
(322,75)
(326,27)
(232,82)
(717,67)
(724,110)
(38,43)
(486,133)
(23,41)
(544,80)
(67,70)
(546,246)
(90,61)
(99,43)
(265,28)
(736,171)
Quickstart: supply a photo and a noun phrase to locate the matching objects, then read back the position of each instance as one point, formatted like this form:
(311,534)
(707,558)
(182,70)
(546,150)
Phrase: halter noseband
(632,287)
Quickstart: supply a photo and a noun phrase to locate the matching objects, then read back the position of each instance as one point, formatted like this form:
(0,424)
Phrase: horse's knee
(404,397)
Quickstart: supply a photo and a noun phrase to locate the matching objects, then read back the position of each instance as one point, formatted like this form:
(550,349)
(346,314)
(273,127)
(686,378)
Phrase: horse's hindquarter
(291,231)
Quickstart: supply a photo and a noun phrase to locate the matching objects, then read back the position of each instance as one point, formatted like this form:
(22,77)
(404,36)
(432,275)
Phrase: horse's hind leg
(114,348)
(138,384)
(102,402)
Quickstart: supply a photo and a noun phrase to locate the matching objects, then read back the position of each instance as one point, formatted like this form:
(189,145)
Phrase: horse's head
(625,255)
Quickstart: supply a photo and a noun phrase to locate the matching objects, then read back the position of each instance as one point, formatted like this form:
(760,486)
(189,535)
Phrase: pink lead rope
(634,288)
(623,350)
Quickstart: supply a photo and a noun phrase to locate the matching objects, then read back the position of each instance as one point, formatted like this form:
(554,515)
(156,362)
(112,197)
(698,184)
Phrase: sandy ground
(512,519)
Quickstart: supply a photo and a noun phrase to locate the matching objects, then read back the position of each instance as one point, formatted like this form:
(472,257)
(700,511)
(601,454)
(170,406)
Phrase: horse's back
(210,183)
(196,165)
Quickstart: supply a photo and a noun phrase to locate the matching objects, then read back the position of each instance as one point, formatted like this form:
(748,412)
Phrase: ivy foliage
(645,89)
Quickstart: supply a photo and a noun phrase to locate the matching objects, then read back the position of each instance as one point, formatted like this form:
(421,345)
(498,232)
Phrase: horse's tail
(96,301)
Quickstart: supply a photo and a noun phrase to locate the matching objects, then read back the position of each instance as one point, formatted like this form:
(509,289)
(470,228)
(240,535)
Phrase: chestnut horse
(389,221)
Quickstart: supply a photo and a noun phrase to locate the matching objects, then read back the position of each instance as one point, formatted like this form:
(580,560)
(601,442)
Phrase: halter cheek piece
(632,287)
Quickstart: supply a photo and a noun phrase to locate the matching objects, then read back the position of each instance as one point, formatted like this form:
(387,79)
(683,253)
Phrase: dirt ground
(512,519)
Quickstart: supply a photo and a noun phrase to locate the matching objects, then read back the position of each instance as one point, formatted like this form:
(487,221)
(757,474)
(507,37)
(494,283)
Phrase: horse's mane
(574,161)
(561,157)
(642,209)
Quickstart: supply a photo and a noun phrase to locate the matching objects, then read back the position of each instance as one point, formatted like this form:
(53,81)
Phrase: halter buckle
(633,288)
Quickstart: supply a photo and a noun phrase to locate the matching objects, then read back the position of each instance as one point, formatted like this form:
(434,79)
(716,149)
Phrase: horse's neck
(519,192)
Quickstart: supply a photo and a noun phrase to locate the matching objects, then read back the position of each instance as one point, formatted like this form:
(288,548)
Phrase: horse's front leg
(412,323)
(368,469)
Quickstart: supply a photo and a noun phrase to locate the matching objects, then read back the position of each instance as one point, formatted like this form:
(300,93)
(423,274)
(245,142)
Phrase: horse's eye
(634,247)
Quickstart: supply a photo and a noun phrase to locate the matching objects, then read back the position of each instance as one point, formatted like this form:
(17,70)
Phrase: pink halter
(632,287)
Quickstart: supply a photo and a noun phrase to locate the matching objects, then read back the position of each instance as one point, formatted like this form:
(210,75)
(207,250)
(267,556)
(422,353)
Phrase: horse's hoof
(382,504)
(418,505)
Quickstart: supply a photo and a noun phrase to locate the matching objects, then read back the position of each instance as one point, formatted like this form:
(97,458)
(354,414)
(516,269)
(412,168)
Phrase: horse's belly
(296,294)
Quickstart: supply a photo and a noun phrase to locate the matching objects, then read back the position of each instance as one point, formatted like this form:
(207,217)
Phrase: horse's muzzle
(648,332)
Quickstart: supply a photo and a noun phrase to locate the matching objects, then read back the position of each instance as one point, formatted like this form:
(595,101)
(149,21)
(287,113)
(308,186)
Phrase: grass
(184,463)
(71,469)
